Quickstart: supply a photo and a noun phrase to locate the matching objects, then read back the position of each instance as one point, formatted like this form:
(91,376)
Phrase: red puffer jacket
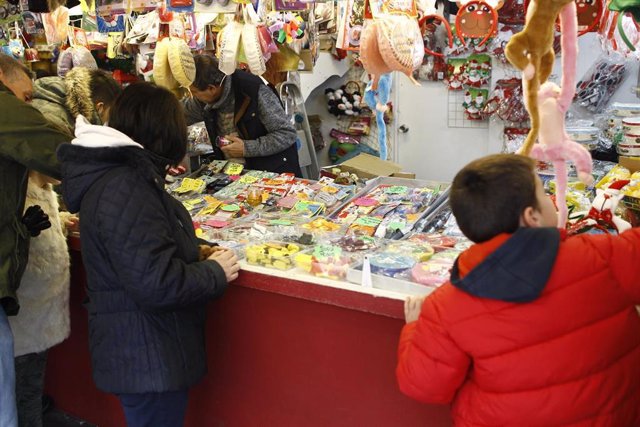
(532,330)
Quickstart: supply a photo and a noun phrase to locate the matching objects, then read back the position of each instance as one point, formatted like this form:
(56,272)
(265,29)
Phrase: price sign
(368,221)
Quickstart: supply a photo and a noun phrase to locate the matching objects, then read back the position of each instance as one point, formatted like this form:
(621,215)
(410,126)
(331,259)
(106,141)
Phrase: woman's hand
(228,261)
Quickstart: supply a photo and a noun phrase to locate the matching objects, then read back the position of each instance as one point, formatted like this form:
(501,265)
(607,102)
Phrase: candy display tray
(378,281)
(411,183)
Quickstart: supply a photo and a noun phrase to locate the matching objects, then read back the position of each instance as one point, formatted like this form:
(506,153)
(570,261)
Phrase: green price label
(230,208)
(326,251)
(396,189)
(368,221)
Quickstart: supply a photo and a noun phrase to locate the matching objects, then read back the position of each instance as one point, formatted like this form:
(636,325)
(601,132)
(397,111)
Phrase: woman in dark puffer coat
(147,290)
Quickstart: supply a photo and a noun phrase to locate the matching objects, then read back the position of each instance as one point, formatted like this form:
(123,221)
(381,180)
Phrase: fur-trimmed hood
(71,94)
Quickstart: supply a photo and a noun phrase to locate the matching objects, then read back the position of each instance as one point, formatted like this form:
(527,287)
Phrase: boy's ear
(530,217)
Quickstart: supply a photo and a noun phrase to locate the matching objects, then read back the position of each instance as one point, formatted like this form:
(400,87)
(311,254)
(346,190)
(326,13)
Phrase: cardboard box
(631,163)
(367,166)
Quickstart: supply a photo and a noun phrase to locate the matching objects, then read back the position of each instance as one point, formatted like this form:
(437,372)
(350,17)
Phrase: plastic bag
(599,84)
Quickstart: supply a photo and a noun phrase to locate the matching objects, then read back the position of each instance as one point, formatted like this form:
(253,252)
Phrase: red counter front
(280,353)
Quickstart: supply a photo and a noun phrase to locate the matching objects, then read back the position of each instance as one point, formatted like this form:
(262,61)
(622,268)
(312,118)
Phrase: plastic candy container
(272,255)
(432,273)
(390,264)
(439,242)
(326,261)
(420,251)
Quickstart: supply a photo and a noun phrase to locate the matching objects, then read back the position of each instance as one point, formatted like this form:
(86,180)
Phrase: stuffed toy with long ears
(555,145)
(377,99)
(531,51)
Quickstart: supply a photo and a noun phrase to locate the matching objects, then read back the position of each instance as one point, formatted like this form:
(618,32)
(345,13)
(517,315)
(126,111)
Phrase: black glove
(35,220)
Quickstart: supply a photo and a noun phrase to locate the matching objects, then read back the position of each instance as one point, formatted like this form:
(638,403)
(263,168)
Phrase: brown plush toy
(531,51)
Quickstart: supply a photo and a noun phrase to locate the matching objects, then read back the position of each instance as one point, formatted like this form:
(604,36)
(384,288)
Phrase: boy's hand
(412,308)
(72,223)
(228,261)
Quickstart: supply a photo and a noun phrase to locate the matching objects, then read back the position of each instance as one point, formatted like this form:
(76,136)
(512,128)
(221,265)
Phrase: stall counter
(281,352)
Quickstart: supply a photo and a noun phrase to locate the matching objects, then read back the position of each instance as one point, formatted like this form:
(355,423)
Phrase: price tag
(230,208)
(368,221)
(234,168)
(326,251)
(396,189)
(248,179)
(396,225)
(213,223)
(190,184)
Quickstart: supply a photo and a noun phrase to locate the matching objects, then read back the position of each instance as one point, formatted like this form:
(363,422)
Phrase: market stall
(281,351)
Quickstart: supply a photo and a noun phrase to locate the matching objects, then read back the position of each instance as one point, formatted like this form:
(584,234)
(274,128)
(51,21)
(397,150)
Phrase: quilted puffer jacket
(147,291)
(532,330)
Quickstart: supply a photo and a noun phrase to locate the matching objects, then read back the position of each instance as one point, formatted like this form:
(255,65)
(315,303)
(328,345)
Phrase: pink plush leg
(581,158)
(560,168)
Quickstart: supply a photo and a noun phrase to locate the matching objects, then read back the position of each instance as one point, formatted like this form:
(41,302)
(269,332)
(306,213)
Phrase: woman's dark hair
(489,195)
(104,88)
(207,72)
(152,116)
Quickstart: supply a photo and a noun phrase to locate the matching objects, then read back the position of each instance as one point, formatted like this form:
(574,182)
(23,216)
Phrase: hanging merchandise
(619,31)
(145,30)
(589,14)
(55,25)
(507,102)
(513,139)
(555,145)
(111,7)
(601,82)
(251,44)
(455,73)
(32,23)
(114,45)
(76,56)
(474,103)
(531,51)
(400,43)
(477,71)
(376,8)
(286,27)
(110,23)
(512,12)
(287,5)
(431,24)
(477,19)
(180,6)
(215,6)
(228,45)
(433,68)
(377,99)
(624,7)
(352,20)
(173,64)
(9,11)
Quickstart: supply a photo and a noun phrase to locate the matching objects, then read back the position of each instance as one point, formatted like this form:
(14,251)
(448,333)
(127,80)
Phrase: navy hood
(517,271)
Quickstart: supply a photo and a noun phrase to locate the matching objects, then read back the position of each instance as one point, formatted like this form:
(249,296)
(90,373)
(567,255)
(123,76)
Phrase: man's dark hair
(207,72)
(104,88)
(12,67)
(153,117)
(489,195)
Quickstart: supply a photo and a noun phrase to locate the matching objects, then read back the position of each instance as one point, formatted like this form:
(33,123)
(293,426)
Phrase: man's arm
(27,138)
(193,111)
(280,132)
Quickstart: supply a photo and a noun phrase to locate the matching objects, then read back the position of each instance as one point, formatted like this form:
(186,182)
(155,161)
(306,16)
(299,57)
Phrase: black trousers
(30,387)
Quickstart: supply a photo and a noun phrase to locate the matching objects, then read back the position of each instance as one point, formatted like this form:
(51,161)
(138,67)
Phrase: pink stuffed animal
(554,145)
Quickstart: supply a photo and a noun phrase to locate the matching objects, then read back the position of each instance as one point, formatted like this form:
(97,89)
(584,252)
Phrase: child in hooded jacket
(533,328)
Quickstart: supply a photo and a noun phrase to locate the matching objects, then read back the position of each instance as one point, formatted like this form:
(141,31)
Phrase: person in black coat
(147,290)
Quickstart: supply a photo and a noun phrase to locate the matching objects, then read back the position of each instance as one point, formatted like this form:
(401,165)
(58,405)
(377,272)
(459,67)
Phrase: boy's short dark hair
(489,195)
(153,117)
(207,72)
(104,88)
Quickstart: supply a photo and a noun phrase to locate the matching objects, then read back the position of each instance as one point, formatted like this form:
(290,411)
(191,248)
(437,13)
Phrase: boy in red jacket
(533,329)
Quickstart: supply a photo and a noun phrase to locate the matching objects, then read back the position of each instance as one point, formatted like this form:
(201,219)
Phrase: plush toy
(342,103)
(602,214)
(553,102)
(531,51)
(377,100)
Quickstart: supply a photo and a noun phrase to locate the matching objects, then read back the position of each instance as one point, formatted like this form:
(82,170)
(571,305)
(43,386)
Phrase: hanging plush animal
(553,102)
(531,51)
(377,100)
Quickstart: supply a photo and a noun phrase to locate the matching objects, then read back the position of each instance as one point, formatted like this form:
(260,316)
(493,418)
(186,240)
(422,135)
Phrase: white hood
(96,136)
